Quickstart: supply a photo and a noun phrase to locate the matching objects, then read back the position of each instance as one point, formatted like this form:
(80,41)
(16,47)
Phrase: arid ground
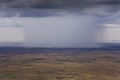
(93,65)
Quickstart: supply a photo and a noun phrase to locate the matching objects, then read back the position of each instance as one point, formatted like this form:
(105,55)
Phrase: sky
(11,34)
(60,23)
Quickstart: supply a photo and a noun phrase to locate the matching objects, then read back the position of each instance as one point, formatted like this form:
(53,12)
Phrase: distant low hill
(110,46)
(44,50)
(17,48)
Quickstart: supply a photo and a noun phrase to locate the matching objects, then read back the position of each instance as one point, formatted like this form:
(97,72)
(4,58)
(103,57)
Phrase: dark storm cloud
(59,23)
(109,2)
(43,8)
(57,3)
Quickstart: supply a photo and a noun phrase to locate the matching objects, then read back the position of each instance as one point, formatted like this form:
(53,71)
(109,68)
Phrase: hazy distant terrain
(60,64)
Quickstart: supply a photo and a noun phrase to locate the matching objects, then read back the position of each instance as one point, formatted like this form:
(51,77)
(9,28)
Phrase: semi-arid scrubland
(65,65)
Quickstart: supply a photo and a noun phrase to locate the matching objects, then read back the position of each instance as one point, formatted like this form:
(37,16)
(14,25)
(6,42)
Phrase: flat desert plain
(93,65)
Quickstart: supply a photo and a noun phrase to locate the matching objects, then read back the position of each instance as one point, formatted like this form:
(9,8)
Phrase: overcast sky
(60,23)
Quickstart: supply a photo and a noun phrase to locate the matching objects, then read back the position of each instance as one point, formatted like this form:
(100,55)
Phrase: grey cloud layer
(28,13)
(33,8)
(56,3)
